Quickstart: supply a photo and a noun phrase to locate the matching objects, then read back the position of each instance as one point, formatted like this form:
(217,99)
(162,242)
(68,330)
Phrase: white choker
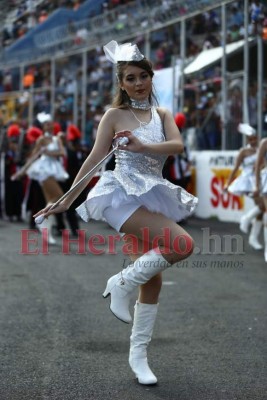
(140,104)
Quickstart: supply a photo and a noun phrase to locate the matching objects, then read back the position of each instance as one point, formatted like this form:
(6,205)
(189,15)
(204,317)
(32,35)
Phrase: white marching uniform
(244,184)
(137,181)
(47,166)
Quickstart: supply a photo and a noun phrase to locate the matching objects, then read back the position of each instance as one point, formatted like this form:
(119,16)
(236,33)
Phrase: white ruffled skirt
(112,201)
(45,167)
(243,184)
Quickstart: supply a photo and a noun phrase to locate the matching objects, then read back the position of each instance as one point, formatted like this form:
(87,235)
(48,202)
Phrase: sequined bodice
(52,146)
(139,163)
(248,162)
(137,181)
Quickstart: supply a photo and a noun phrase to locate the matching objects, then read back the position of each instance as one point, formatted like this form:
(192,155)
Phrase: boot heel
(120,299)
(106,294)
(107,291)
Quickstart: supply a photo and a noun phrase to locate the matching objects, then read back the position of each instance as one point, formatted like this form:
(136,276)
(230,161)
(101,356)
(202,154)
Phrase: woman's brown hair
(121,98)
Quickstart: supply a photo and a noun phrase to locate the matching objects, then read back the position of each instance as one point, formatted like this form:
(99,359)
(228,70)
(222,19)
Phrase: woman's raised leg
(169,243)
(177,244)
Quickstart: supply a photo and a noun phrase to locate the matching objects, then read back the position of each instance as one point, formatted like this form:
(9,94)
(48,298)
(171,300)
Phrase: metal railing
(104,27)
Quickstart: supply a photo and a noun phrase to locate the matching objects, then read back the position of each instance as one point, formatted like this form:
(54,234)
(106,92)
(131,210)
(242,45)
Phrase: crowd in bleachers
(26,14)
(203,32)
(202,100)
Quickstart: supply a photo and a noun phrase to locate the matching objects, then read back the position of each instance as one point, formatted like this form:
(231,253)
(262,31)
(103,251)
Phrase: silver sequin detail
(140,104)
(139,175)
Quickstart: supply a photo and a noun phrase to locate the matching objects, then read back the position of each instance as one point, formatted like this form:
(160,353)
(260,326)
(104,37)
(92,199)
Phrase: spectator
(28,79)
(7,81)
(13,189)
(43,16)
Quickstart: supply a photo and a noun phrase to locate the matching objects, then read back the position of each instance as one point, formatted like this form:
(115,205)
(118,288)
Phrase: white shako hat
(246,129)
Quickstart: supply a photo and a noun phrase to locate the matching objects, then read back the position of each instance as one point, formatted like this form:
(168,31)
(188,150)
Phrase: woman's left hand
(256,192)
(18,175)
(225,188)
(133,145)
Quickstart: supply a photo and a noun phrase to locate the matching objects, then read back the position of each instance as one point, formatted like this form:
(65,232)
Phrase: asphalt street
(59,340)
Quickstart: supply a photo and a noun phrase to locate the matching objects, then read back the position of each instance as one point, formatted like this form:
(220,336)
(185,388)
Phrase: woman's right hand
(225,188)
(256,192)
(45,212)
(134,144)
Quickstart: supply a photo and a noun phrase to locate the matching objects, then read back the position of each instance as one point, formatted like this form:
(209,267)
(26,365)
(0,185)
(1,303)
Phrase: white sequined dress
(245,182)
(137,179)
(47,166)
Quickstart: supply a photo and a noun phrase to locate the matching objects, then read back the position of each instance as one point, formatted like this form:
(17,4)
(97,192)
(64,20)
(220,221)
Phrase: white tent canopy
(207,57)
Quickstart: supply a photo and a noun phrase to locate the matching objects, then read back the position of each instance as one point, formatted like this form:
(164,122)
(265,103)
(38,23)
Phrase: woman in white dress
(135,197)
(45,166)
(244,185)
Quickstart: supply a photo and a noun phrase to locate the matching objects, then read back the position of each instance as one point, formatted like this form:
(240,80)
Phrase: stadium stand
(82,27)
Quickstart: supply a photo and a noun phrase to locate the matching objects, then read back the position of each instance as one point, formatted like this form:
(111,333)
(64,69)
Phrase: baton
(25,167)
(120,142)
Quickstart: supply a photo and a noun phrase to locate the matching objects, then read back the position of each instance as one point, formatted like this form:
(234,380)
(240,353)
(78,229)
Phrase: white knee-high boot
(265,235)
(246,219)
(253,239)
(143,325)
(121,286)
(48,223)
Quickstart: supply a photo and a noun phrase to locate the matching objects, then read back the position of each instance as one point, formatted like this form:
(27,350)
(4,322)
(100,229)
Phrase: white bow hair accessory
(124,52)
(246,129)
(44,117)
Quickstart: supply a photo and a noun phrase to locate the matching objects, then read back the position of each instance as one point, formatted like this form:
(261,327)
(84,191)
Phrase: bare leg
(265,227)
(175,243)
(51,189)
(154,222)
(52,192)
(259,201)
(169,243)
(264,199)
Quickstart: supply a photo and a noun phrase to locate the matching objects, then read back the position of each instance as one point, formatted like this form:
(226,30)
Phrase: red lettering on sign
(214,190)
(223,198)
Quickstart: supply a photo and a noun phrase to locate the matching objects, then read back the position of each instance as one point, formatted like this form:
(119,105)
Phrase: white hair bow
(124,52)
(246,129)
(44,117)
